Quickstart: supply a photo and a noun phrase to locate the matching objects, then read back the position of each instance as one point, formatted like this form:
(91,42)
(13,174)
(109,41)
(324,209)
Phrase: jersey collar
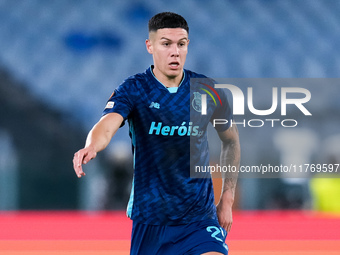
(171,89)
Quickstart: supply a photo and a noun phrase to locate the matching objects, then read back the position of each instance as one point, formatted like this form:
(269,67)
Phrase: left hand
(225,215)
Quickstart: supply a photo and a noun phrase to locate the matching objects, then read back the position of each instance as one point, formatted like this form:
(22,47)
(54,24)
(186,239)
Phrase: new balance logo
(154,105)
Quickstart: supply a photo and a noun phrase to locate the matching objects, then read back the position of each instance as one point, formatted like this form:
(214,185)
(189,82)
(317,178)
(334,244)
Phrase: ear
(148,46)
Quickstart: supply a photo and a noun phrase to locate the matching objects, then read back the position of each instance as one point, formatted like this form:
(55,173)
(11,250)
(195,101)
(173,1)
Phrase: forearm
(101,134)
(230,156)
(98,139)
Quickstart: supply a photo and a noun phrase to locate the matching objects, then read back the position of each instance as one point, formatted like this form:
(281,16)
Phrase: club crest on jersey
(197,102)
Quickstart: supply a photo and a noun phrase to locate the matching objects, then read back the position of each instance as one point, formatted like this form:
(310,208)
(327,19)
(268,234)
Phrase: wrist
(91,147)
(227,198)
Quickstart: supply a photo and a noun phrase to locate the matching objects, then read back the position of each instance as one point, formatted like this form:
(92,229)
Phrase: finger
(88,157)
(77,167)
(228,227)
(77,162)
(223,225)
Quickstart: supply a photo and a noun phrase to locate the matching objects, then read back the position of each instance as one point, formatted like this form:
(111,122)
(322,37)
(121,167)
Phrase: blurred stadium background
(61,60)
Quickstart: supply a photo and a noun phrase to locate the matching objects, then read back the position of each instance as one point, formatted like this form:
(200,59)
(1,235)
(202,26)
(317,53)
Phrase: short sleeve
(121,100)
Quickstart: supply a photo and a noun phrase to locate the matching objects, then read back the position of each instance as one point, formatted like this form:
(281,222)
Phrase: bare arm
(98,138)
(230,156)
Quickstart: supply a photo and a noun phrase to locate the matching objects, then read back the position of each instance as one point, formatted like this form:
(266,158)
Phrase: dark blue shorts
(192,239)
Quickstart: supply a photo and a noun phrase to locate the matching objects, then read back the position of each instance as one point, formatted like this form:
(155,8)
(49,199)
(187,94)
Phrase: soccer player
(172,213)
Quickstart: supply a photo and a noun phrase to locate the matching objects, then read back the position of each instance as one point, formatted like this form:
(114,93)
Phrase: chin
(174,73)
(171,76)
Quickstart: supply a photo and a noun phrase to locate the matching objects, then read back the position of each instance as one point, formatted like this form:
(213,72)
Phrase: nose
(175,50)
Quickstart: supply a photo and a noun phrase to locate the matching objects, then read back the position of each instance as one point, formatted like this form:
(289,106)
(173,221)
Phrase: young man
(172,213)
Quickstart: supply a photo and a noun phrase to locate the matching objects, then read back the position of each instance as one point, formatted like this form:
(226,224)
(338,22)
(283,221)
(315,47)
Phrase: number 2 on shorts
(215,231)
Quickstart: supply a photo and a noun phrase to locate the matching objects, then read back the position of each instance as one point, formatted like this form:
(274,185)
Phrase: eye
(181,44)
(165,43)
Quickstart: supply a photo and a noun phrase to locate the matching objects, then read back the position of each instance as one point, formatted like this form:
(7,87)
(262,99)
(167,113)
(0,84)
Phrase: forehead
(169,33)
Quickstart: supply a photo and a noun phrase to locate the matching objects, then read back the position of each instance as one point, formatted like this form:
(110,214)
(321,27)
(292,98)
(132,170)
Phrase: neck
(168,81)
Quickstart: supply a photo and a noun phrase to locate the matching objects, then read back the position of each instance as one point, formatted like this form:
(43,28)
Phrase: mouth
(174,65)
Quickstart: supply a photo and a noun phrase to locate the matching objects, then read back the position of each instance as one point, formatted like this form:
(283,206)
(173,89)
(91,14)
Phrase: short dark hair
(167,20)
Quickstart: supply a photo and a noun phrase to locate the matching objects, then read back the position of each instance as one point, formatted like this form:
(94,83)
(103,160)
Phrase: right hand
(82,156)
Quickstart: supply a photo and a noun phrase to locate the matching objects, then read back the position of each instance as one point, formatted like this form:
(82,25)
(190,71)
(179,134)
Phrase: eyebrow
(164,38)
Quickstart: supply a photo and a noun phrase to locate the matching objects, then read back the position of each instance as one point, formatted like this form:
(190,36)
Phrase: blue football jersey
(168,134)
